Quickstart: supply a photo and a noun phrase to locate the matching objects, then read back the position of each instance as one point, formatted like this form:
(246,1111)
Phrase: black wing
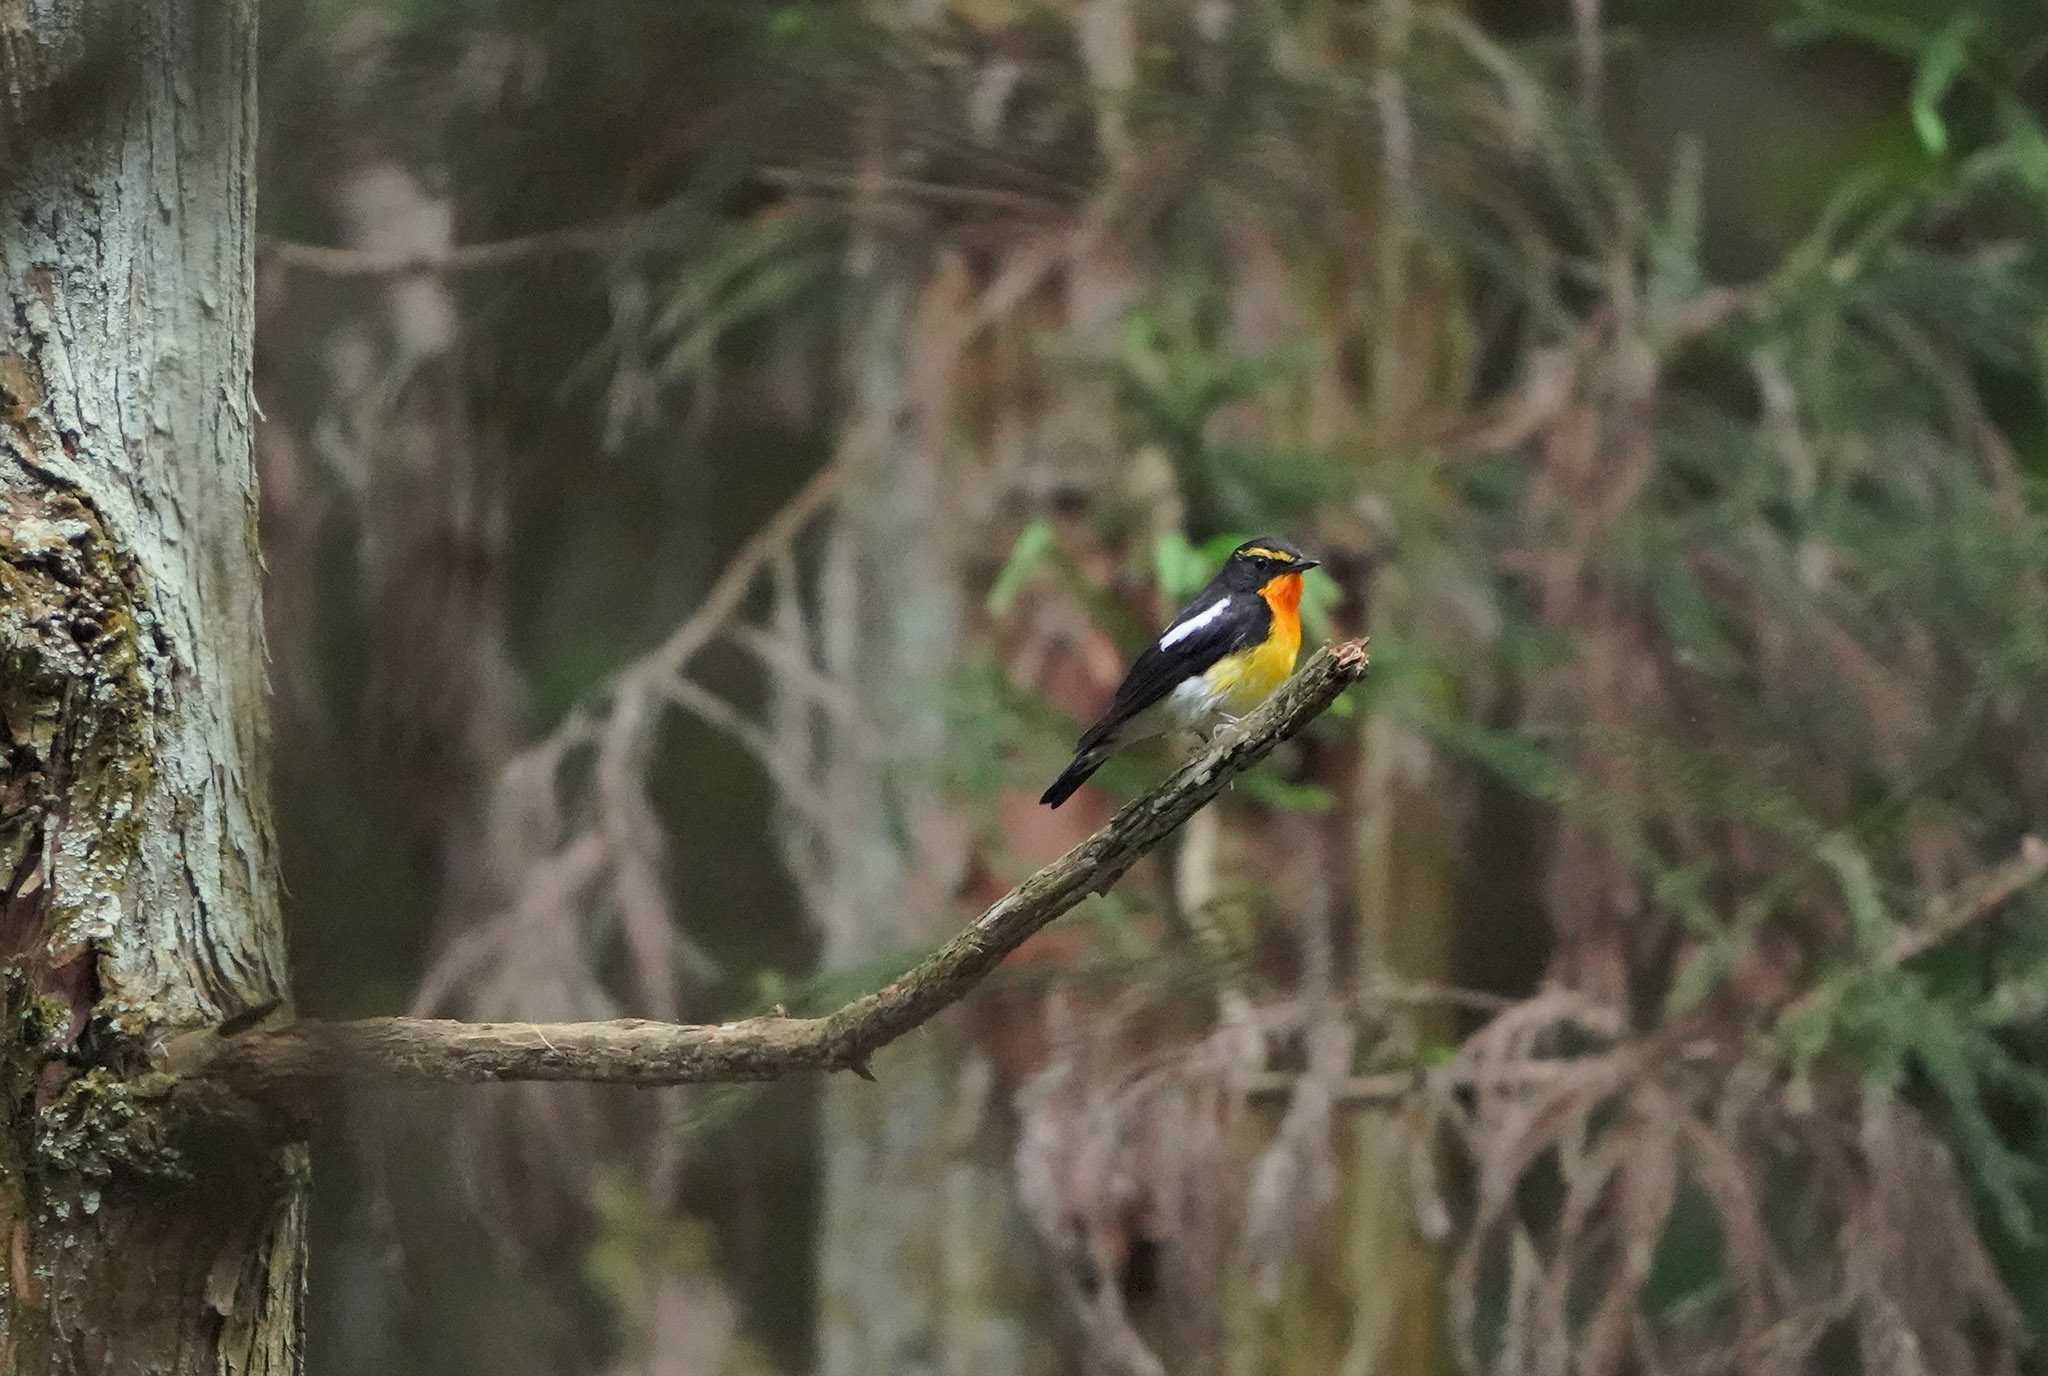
(1208,629)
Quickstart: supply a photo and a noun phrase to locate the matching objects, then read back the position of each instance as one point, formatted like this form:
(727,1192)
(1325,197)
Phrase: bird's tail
(1085,762)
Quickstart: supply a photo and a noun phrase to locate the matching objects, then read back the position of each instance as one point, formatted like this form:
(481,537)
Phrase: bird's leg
(1221,721)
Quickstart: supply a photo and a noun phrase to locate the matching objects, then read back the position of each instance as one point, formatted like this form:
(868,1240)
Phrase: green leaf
(1816,20)
(1868,920)
(2025,145)
(1032,545)
(1940,65)
(1217,548)
(1283,796)
(1699,975)
(1181,568)
(1319,598)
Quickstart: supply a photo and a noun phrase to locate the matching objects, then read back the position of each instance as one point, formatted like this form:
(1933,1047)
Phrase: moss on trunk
(144,1226)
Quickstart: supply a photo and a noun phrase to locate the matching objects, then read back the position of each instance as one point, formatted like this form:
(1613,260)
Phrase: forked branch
(276,1063)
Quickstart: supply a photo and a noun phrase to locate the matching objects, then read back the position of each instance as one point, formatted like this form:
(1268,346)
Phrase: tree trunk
(918,1265)
(138,884)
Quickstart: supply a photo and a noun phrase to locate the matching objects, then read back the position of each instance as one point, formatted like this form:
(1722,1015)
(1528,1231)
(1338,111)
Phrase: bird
(1222,655)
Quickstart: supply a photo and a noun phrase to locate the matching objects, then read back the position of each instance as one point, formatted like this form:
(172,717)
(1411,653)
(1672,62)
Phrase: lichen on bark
(144,1226)
(75,703)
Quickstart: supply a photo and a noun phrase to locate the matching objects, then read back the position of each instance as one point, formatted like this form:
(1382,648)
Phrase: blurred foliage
(1707,547)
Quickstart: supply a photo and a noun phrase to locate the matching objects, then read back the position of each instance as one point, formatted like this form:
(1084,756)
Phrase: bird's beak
(1304,564)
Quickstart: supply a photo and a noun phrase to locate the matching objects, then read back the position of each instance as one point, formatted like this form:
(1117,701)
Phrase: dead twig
(327,261)
(847,186)
(1394,1089)
(1974,900)
(1969,902)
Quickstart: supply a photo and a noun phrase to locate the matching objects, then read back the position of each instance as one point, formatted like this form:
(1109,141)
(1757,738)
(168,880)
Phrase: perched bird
(1222,656)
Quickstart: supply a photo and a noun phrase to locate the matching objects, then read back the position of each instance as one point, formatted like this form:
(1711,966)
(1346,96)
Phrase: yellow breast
(1244,680)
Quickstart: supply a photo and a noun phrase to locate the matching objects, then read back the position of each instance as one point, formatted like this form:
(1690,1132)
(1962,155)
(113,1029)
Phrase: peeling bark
(138,889)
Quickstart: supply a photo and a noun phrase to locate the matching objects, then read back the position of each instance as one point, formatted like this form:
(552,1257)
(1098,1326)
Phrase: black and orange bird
(1220,657)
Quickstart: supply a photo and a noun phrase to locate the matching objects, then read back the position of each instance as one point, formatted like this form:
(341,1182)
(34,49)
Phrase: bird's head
(1255,563)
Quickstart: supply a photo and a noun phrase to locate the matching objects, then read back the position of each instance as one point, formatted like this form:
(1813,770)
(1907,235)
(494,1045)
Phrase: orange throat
(1283,595)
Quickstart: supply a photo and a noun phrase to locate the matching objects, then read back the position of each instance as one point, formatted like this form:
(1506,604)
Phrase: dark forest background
(717,454)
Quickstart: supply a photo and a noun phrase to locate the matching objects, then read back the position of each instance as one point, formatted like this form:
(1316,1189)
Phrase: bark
(1406,865)
(911,1242)
(140,892)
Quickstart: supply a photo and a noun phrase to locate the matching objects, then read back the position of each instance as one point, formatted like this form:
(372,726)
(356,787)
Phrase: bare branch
(935,193)
(1974,900)
(328,261)
(1971,901)
(272,1064)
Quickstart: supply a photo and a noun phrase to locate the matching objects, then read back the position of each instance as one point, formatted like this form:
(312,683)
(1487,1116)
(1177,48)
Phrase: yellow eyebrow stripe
(1261,552)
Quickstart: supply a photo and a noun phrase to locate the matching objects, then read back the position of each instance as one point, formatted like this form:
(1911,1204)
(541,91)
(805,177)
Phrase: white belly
(1194,704)
(1194,701)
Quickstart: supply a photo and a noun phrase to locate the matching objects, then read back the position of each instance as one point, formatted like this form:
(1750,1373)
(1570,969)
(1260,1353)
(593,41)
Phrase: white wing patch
(1182,630)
